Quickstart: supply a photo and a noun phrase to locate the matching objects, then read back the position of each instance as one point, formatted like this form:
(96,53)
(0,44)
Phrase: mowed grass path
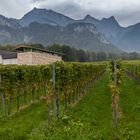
(90,119)
(130,106)
(95,111)
(20,125)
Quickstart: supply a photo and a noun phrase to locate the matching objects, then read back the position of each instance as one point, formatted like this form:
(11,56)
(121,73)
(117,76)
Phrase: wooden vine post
(2,96)
(55,97)
(115,103)
(115,91)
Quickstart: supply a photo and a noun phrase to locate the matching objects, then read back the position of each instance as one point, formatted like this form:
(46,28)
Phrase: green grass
(130,105)
(90,119)
(22,101)
(21,124)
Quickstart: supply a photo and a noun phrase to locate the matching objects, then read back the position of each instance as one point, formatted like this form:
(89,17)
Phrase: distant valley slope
(48,27)
(127,39)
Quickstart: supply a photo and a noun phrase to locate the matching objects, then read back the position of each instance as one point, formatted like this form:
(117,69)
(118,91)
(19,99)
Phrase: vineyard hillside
(70,101)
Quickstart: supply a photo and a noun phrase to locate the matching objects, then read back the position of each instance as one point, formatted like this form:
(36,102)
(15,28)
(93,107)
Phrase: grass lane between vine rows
(130,106)
(90,119)
(92,116)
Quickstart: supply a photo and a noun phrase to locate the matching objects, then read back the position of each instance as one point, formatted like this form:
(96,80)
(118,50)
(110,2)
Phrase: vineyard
(22,85)
(133,70)
(70,101)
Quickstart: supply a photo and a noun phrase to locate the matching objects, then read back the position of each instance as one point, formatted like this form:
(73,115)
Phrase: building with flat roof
(7,57)
(27,55)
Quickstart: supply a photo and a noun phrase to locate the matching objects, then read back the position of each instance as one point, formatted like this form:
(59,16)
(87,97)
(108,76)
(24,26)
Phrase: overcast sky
(127,12)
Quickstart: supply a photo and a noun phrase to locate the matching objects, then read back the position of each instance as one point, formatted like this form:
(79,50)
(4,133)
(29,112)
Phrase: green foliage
(133,69)
(78,55)
(16,80)
(90,119)
(117,73)
(15,76)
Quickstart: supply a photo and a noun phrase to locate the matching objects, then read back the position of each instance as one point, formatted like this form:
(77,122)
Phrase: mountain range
(49,27)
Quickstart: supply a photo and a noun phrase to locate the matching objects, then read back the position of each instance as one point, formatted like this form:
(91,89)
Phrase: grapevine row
(115,72)
(22,85)
(133,70)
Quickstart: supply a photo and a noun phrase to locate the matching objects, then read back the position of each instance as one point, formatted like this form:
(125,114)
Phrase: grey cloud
(125,11)
(70,9)
(37,0)
(73,10)
(124,16)
(128,18)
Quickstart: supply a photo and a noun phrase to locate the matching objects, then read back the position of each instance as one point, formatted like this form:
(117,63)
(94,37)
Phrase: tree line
(78,55)
(72,54)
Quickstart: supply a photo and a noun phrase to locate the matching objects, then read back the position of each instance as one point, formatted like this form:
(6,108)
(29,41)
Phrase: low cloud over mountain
(49,27)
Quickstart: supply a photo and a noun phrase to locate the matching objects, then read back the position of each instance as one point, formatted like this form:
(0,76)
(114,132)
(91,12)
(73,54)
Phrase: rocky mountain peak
(46,17)
(88,16)
(13,23)
(110,20)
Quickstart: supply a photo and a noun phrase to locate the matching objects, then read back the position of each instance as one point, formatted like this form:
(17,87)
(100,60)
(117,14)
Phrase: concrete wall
(33,58)
(10,61)
(24,58)
(1,59)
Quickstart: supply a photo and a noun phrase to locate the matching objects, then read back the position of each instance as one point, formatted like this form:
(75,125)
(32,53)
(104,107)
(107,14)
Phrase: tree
(101,56)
